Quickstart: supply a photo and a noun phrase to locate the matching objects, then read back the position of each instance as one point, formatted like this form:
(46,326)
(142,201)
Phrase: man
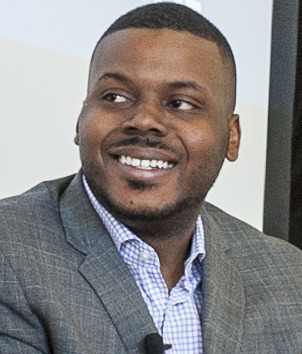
(127,250)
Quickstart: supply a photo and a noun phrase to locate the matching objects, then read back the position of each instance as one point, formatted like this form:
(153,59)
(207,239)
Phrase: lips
(143,158)
(145,164)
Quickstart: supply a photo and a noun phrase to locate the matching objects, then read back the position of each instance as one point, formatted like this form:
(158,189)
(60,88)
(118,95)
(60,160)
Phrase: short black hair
(168,15)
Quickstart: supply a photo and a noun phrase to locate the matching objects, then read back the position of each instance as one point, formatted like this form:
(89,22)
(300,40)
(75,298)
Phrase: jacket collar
(223,292)
(103,268)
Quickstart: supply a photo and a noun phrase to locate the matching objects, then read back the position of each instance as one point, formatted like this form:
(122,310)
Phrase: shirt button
(145,255)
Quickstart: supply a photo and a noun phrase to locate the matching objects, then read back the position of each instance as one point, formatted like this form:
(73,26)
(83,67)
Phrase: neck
(171,240)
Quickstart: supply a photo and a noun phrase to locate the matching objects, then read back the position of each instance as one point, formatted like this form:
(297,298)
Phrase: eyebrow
(179,84)
(115,76)
(185,84)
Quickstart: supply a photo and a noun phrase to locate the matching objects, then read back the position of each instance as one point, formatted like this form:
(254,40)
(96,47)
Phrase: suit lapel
(223,293)
(105,271)
(103,268)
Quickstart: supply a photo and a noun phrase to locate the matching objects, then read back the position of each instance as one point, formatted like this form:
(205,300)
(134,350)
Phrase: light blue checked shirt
(177,316)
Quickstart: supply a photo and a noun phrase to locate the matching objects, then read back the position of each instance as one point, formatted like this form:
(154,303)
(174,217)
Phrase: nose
(147,118)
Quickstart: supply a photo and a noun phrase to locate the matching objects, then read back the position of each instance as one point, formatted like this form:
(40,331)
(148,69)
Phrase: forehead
(158,53)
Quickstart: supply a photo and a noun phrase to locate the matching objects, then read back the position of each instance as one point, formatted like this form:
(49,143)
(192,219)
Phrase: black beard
(122,214)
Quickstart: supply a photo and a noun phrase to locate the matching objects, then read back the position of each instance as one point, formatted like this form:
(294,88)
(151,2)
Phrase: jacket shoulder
(48,190)
(250,246)
(33,213)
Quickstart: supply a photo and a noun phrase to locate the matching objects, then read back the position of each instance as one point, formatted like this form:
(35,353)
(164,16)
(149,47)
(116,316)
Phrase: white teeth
(136,162)
(153,163)
(128,160)
(145,164)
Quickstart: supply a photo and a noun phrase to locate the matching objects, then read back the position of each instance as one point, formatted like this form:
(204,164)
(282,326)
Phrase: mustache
(142,142)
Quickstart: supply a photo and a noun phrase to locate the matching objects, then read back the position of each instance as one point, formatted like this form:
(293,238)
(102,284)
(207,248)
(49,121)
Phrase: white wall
(45,50)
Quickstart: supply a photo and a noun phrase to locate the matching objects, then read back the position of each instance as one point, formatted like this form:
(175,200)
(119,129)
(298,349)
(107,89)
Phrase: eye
(114,97)
(182,105)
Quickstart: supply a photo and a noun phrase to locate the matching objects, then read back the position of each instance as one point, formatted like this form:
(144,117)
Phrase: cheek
(93,129)
(91,136)
(201,139)
(206,147)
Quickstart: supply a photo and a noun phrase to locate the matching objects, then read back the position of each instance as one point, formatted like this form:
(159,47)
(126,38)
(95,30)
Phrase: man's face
(157,123)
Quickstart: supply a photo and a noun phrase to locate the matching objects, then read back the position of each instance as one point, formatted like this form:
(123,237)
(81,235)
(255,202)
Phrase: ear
(234,138)
(76,138)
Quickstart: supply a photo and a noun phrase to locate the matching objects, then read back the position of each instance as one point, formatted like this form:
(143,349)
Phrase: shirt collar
(120,234)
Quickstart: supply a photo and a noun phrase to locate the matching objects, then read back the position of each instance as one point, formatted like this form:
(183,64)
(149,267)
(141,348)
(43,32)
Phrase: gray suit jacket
(65,289)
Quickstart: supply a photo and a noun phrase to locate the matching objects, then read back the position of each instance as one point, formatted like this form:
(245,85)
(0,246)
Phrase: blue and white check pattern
(177,316)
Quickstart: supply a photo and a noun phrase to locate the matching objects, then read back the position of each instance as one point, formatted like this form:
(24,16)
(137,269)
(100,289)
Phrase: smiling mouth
(145,164)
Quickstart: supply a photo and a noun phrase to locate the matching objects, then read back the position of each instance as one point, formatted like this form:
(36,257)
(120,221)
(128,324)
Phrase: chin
(136,210)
